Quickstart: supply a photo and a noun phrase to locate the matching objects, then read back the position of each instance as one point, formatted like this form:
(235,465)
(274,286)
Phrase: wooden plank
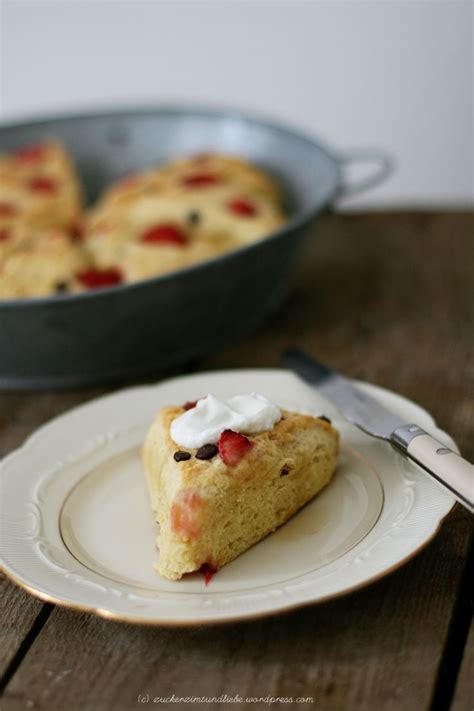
(18,613)
(22,413)
(21,615)
(464,694)
(382,297)
(376,649)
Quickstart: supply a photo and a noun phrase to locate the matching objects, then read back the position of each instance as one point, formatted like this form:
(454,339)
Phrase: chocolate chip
(284,471)
(207,451)
(323,417)
(194,217)
(61,287)
(181,456)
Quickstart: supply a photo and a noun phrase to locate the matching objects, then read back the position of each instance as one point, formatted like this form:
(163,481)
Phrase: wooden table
(384,297)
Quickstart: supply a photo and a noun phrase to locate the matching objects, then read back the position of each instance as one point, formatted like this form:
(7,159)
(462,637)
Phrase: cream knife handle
(447,467)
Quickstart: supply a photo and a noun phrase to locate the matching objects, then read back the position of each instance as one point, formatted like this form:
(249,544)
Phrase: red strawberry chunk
(77,232)
(200,180)
(97,278)
(232,447)
(186,514)
(7,209)
(242,207)
(129,181)
(208,571)
(190,404)
(43,185)
(4,235)
(29,154)
(164,234)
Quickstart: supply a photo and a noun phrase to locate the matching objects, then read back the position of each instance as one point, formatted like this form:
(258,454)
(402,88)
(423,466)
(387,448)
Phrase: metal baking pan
(159,325)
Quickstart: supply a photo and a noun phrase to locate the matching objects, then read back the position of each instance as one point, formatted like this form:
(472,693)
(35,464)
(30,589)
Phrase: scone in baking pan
(159,325)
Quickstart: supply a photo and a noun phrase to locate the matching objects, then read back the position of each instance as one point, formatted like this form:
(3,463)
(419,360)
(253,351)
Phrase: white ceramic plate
(76,526)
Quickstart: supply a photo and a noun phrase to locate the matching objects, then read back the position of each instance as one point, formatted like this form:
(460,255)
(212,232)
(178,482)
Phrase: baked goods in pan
(156,221)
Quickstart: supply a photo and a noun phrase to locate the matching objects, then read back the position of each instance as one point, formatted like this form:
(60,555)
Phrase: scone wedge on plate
(214,501)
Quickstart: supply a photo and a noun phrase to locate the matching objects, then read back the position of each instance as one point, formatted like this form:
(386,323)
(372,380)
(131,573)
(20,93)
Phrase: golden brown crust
(210,512)
(40,208)
(41,263)
(267,446)
(44,191)
(228,170)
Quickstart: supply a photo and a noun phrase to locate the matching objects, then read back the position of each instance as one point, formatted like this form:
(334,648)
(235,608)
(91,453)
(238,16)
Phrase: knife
(448,468)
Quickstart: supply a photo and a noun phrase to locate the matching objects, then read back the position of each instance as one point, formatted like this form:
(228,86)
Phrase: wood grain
(22,413)
(386,298)
(376,649)
(464,694)
(18,613)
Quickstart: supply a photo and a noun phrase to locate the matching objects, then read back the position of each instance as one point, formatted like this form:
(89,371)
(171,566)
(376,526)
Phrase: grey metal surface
(356,406)
(159,325)
(402,436)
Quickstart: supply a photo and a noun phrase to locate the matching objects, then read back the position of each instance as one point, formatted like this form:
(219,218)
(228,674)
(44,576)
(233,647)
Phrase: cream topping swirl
(204,423)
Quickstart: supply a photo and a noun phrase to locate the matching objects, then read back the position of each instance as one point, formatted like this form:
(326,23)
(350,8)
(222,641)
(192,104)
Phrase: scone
(40,263)
(215,500)
(152,237)
(166,219)
(214,173)
(40,213)
(147,258)
(171,231)
(39,186)
(121,194)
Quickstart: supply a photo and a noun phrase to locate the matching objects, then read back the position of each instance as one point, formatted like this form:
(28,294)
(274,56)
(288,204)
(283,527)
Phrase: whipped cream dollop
(204,423)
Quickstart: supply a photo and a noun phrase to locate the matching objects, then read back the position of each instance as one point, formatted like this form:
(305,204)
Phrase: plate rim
(231,617)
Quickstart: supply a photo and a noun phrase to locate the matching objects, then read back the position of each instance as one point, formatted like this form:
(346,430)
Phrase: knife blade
(441,462)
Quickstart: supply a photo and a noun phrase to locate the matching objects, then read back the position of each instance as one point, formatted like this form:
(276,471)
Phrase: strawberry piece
(4,235)
(186,514)
(7,209)
(189,405)
(77,232)
(30,154)
(242,207)
(200,180)
(168,234)
(208,571)
(97,278)
(42,184)
(128,181)
(232,447)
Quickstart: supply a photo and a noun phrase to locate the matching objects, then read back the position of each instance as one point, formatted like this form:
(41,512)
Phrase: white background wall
(357,73)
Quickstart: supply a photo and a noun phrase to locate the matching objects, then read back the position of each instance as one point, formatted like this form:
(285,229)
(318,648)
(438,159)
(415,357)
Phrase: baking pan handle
(383,167)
